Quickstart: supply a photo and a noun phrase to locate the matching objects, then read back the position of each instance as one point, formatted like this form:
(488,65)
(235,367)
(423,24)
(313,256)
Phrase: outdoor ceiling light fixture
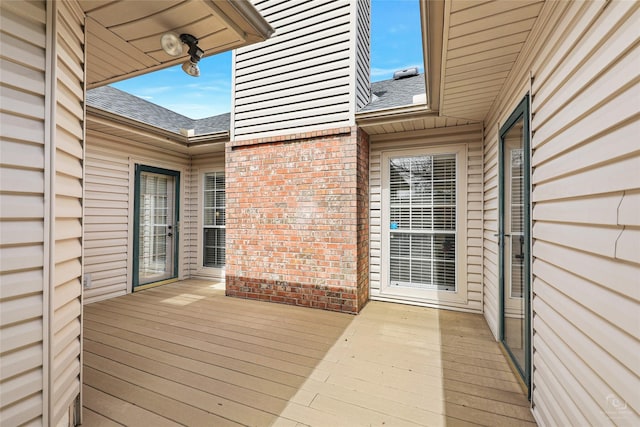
(172,45)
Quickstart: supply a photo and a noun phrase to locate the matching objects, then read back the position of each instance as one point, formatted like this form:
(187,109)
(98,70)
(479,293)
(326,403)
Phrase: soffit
(481,42)
(406,119)
(123,36)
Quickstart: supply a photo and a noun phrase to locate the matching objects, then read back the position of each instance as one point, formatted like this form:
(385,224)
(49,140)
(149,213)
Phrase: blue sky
(395,45)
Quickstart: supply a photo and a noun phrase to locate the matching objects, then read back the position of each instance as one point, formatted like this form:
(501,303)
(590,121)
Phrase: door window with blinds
(214,220)
(156,219)
(421,217)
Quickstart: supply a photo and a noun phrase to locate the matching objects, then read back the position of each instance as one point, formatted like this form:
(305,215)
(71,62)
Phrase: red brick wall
(297,219)
(363,217)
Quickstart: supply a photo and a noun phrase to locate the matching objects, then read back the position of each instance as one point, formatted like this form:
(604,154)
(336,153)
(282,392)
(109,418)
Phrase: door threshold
(154,284)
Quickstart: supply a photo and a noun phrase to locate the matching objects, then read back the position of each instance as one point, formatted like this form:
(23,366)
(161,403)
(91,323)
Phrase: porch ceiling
(123,37)
(481,41)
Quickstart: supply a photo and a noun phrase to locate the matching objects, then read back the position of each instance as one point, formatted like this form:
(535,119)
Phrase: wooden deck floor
(183,354)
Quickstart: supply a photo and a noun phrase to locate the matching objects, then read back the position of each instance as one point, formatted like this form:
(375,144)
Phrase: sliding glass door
(514,237)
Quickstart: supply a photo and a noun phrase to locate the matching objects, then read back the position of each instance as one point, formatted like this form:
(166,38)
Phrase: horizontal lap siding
(65,322)
(106,222)
(301,78)
(22,206)
(470,135)
(109,209)
(200,164)
(586,204)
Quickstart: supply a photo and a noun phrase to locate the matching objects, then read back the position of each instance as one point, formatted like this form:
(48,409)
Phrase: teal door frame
(139,169)
(520,113)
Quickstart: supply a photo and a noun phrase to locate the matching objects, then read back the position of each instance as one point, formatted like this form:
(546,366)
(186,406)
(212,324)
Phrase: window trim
(139,168)
(460,295)
(200,268)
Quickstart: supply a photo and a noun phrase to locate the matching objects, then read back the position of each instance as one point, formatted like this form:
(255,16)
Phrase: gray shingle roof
(394,93)
(219,123)
(115,101)
(384,94)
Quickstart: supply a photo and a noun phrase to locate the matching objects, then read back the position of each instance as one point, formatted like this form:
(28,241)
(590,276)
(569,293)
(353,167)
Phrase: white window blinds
(422,212)
(214,219)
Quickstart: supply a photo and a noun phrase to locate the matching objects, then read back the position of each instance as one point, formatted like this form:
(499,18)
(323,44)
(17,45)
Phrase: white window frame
(201,270)
(436,297)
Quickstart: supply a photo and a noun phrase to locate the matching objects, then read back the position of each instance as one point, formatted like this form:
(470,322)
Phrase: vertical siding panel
(66,221)
(471,136)
(585,182)
(22,207)
(363,43)
(308,75)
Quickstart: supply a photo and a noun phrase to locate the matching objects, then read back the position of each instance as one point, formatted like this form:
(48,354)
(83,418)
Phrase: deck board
(184,354)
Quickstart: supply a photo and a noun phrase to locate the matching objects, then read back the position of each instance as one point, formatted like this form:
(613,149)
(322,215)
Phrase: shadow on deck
(183,354)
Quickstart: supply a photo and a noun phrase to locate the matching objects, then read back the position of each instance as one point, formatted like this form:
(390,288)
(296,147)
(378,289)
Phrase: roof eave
(432,22)
(201,141)
(163,134)
(392,115)
(209,138)
(262,29)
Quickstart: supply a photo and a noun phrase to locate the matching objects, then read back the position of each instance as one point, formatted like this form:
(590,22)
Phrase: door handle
(169,234)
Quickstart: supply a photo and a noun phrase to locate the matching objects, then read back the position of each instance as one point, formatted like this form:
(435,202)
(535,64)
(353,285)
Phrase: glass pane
(422,192)
(517,266)
(220,217)
(220,199)
(155,227)
(514,325)
(214,247)
(209,199)
(425,261)
(214,220)
(208,216)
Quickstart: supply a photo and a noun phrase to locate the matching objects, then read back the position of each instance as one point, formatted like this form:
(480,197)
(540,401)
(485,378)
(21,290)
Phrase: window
(422,213)
(214,219)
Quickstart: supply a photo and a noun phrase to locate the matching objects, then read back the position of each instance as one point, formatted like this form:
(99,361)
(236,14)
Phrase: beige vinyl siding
(586,199)
(109,209)
(22,207)
(471,136)
(106,222)
(200,164)
(303,78)
(67,156)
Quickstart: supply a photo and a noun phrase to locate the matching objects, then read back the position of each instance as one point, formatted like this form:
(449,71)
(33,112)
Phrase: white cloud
(221,87)
(151,90)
